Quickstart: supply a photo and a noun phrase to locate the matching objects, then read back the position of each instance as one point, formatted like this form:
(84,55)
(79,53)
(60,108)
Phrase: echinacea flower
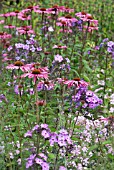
(35,74)
(68,19)
(77,82)
(9,26)
(16,65)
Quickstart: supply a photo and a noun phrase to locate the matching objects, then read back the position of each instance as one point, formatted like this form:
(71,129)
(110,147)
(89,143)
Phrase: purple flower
(42,155)
(39,161)
(18,89)
(58,58)
(62,168)
(53,139)
(36,127)
(110,43)
(45,166)
(28,133)
(45,85)
(45,134)
(44,126)
(30,160)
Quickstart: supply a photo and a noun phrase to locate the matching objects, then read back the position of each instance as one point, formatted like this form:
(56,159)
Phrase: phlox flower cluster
(87,98)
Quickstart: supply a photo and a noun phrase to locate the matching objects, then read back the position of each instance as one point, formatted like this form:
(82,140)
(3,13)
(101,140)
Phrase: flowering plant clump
(57,88)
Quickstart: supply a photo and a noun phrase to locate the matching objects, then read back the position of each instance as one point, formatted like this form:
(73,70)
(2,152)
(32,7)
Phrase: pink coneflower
(5,15)
(5,35)
(57,9)
(23,16)
(60,46)
(82,14)
(41,103)
(42,11)
(9,26)
(61,80)
(25,30)
(6,59)
(90,28)
(17,65)
(69,10)
(68,19)
(36,73)
(76,82)
(66,30)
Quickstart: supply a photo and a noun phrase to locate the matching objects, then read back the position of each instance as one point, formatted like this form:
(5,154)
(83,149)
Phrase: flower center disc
(36,71)
(76,79)
(19,63)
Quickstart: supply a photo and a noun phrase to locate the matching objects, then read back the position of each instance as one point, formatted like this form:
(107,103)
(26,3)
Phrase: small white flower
(101,82)
(50,29)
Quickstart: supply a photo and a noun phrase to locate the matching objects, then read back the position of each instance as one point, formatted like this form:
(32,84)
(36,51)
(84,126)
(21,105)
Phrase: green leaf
(92,148)
(106,142)
(51,156)
(85,78)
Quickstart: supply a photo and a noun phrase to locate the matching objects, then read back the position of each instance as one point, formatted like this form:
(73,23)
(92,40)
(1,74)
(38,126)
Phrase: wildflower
(76,82)
(45,166)
(42,155)
(58,58)
(9,26)
(3,98)
(68,19)
(17,65)
(30,161)
(36,73)
(60,46)
(2,21)
(53,139)
(45,85)
(45,134)
(41,103)
(18,89)
(62,168)
(28,133)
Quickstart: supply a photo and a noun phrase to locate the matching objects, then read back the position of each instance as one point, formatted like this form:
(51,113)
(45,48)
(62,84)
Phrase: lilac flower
(39,161)
(39,49)
(3,98)
(62,168)
(18,89)
(36,127)
(26,47)
(45,85)
(30,161)
(45,134)
(53,139)
(44,126)
(45,166)
(42,155)
(87,98)
(63,138)
(28,133)
(110,48)
(58,58)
